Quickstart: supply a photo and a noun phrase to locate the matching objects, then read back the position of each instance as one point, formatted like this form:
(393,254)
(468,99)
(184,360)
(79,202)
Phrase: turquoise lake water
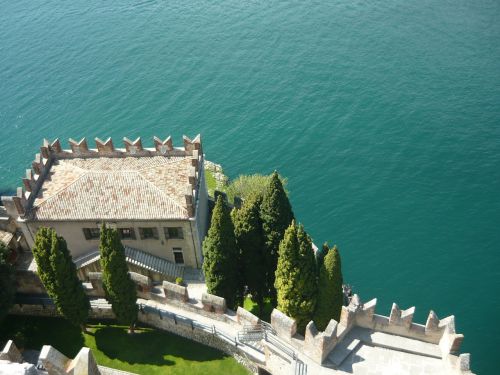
(384,116)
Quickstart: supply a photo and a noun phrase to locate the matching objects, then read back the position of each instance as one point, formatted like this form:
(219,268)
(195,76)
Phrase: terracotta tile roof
(108,188)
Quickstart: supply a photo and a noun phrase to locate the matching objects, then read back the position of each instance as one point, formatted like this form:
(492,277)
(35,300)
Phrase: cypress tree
(119,288)
(58,274)
(287,271)
(221,257)
(250,241)
(330,295)
(276,215)
(320,255)
(296,281)
(7,281)
(307,283)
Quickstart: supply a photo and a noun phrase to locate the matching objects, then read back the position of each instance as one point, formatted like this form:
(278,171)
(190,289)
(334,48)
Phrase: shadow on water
(150,347)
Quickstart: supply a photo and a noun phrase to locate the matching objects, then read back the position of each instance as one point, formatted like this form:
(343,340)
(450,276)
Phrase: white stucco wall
(72,231)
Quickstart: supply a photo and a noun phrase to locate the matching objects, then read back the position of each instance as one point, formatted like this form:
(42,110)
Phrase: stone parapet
(28,282)
(318,345)
(315,345)
(11,353)
(84,363)
(244,316)
(175,292)
(53,360)
(213,303)
(57,363)
(143,282)
(95,278)
(18,205)
(285,326)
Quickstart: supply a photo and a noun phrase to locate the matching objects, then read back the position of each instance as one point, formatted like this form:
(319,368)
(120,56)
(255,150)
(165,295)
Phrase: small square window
(148,233)
(127,233)
(174,232)
(178,256)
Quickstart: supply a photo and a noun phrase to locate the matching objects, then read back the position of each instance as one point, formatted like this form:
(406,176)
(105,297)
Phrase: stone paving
(363,359)
(368,360)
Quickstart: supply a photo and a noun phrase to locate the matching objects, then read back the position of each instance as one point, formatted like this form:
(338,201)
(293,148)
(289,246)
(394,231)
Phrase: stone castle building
(155,197)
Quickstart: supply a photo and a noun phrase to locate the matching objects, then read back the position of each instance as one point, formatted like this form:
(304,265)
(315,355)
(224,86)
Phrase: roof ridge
(162,192)
(56,193)
(169,161)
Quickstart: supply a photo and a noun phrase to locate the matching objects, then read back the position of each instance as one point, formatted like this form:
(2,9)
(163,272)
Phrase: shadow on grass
(267,309)
(148,346)
(38,331)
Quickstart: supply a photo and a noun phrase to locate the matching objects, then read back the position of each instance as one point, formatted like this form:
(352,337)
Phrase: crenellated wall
(18,204)
(318,345)
(437,338)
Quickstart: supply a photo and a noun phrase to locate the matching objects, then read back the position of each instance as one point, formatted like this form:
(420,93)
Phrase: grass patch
(148,351)
(211,182)
(251,306)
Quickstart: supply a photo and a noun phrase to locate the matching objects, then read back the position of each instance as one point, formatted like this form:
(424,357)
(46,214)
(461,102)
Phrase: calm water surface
(385,117)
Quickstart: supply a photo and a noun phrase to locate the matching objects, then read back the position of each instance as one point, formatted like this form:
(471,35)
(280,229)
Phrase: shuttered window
(91,233)
(127,233)
(173,232)
(146,233)
(178,255)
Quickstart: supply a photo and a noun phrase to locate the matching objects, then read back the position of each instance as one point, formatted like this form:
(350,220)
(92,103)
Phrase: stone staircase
(358,337)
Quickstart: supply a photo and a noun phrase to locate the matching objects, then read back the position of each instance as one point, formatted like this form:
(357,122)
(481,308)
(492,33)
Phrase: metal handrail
(262,331)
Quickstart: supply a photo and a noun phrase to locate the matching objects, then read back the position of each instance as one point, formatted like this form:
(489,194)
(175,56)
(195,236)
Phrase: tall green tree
(307,279)
(221,257)
(58,274)
(250,241)
(276,215)
(7,281)
(296,276)
(330,295)
(320,254)
(119,288)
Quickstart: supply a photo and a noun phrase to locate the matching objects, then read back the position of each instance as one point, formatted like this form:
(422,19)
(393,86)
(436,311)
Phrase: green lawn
(211,182)
(251,306)
(148,351)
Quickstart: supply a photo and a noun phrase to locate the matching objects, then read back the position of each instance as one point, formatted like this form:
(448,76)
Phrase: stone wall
(11,353)
(57,363)
(246,317)
(285,326)
(212,303)
(28,282)
(100,309)
(175,292)
(202,336)
(317,345)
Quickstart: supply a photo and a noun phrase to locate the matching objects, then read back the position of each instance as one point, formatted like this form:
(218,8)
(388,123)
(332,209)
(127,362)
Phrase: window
(127,233)
(91,233)
(148,233)
(173,232)
(178,256)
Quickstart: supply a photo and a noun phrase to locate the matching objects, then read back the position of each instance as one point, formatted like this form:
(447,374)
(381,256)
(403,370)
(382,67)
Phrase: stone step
(404,344)
(342,351)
